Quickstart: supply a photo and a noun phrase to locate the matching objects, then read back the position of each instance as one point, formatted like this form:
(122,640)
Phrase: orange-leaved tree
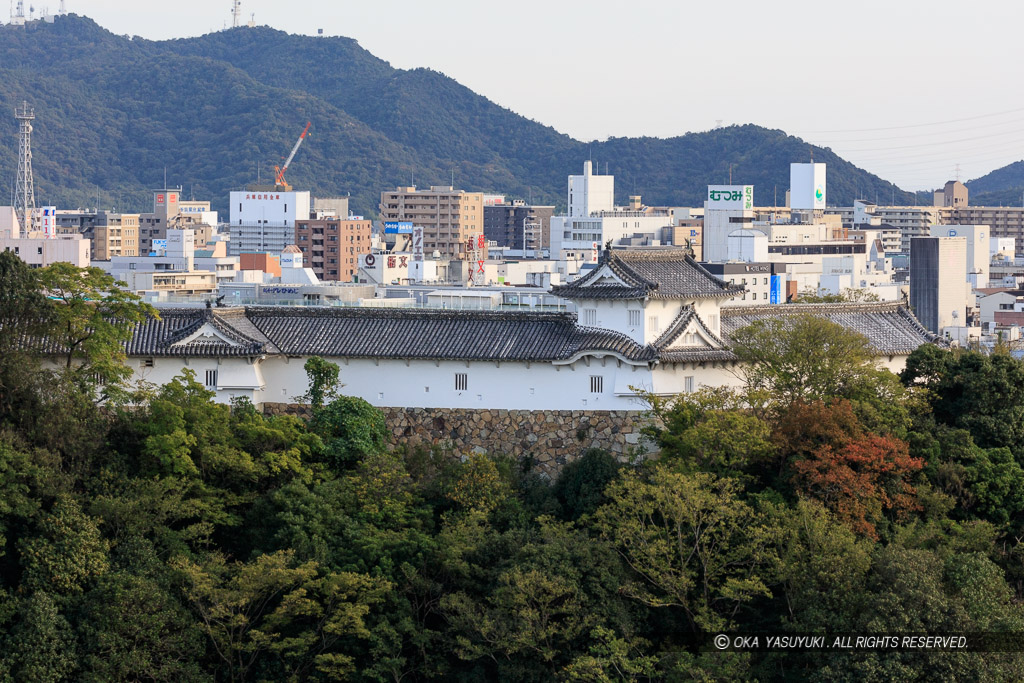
(860,480)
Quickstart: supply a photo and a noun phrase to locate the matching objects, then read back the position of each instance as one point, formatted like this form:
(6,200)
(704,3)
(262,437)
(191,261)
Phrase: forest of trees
(153,534)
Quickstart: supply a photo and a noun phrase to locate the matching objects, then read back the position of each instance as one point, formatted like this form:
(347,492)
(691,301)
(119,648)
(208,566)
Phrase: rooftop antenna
(25,193)
(236,12)
(730,174)
(63,10)
(958,173)
(165,177)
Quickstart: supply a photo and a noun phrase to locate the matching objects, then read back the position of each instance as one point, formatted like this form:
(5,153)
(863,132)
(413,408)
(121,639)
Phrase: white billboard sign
(732,197)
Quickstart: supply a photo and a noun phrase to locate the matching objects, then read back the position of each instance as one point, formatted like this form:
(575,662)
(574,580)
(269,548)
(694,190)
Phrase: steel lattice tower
(25,193)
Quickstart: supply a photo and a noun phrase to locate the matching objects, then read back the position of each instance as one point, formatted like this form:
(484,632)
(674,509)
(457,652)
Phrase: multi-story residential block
(115,234)
(332,246)
(518,225)
(449,217)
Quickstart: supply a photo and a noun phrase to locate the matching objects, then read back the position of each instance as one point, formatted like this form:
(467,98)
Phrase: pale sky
(907,90)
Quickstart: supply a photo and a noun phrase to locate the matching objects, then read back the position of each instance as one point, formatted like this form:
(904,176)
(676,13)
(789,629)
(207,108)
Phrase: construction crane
(279,170)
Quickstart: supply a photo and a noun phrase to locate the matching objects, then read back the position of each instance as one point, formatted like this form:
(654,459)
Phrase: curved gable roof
(648,273)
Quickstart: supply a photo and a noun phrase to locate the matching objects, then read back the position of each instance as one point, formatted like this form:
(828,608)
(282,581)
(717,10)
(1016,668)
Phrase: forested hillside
(1002,187)
(148,533)
(113,112)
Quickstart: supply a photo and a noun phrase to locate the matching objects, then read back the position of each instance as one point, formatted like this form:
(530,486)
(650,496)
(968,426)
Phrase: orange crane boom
(281,169)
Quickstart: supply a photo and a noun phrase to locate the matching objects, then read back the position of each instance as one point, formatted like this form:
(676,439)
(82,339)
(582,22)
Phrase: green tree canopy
(801,357)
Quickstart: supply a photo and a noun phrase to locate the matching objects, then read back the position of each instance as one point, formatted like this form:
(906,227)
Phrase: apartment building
(115,234)
(450,217)
(332,246)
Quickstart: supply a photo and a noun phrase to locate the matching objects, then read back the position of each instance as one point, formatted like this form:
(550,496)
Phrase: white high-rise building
(263,220)
(807,187)
(978,250)
(589,193)
(593,219)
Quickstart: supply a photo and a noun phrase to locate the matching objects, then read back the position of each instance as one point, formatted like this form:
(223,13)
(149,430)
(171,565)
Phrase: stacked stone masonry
(551,437)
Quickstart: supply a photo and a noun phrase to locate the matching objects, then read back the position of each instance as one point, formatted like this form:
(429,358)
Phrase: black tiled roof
(651,274)
(159,337)
(890,327)
(436,335)
(418,334)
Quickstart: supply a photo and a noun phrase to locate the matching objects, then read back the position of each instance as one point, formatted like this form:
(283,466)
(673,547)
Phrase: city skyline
(877,87)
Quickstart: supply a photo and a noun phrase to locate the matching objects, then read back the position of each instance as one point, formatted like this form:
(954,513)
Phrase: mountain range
(115,115)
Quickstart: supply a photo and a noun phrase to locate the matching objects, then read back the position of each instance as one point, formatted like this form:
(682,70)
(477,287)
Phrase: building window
(461,381)
(211,378)
(688,384)
(635,318)
(713,321)
(596,384)
(146,363)
(652,323)
(589,316)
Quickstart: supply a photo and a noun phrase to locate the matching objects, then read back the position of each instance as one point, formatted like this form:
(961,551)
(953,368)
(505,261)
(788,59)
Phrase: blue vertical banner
(775,295)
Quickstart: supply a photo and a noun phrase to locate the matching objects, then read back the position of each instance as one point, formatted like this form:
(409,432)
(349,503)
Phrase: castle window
(211,378)
(596,384)
(461,381)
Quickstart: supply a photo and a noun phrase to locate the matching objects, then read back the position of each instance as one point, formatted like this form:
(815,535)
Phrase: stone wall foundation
(551,437)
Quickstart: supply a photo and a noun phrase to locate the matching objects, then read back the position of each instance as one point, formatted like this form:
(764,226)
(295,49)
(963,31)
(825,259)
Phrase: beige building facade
(450,217)
(115,234)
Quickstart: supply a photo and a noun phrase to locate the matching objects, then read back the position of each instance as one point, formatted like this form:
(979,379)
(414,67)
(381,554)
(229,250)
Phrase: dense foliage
(113,112)
(162,536)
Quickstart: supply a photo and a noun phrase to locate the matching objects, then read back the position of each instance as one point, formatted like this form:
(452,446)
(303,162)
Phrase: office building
(263,218)
(593,220)
(518,225)
(171,212)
